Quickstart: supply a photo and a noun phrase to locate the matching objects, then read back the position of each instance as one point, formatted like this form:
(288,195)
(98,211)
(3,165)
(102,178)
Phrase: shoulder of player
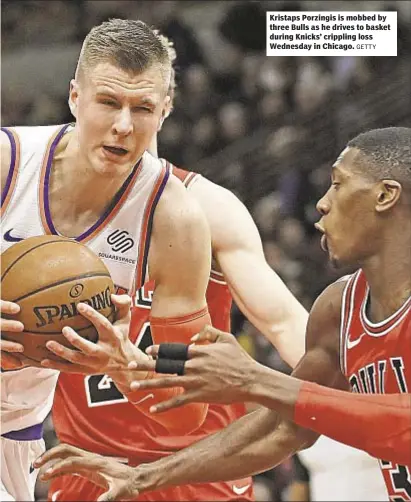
(179,225)
(237,228)
(325,315)
(177,209)
(5,153)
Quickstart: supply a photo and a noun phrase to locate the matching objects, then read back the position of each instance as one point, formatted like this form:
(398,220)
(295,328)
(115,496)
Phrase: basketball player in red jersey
(358,336)
(90,412)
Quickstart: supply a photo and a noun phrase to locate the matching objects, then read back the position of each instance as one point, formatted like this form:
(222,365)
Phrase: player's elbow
(288,336)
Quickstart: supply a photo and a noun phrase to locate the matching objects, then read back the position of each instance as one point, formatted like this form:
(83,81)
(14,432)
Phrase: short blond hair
(129,44)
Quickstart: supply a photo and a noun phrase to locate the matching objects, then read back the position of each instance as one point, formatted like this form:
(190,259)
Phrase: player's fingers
(175,402)
(142,365)
(161,383)
(72,465)
(60,451)
(209,334)
(175,351)
(9,346)
(7,307)
(152,350)
(66,367)
(73,356)
(11,325)
(85,346)
(101,323)
(122,304)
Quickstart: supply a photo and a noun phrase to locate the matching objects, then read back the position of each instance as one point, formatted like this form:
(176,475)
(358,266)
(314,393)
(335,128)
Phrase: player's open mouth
(116,150)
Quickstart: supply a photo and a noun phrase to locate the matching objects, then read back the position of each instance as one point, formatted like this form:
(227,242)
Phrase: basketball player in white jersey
(93,181)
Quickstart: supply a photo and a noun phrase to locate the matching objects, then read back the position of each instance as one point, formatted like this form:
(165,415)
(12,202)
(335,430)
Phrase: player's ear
(165,113)
(388,194)
(73,95)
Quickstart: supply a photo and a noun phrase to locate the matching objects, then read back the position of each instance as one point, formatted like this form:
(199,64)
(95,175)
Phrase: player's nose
(323,205)
(123,124)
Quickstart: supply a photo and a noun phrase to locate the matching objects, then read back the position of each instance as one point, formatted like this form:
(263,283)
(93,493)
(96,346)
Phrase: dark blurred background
(267,128)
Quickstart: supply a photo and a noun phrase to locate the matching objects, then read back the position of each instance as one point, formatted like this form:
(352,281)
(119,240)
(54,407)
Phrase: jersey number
(401,481)
(100,389)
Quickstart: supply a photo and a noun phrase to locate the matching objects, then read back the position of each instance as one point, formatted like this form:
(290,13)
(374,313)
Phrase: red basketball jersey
(376,359)
(90,412)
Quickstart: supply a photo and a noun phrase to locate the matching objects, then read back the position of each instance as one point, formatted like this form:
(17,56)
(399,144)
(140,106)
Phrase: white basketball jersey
(121,237)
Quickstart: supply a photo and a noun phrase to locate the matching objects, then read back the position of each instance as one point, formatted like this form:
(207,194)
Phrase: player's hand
(109,355)
(221,372)
(11,358)
(116,478)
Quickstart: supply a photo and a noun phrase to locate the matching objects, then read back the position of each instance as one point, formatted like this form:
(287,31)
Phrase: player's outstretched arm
(179,263)
(252,444)
(378,424)
(223,372)
(256,288)
(251,433)
(247,446)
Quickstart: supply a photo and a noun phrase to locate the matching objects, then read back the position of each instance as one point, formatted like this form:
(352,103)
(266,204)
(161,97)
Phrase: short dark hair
(385,154)
(129,44)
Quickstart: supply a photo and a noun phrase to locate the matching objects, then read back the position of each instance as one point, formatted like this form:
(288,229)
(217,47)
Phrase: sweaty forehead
(111,77)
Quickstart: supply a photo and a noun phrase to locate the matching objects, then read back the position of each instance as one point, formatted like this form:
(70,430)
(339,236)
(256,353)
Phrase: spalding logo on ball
(48,276)
(50,314)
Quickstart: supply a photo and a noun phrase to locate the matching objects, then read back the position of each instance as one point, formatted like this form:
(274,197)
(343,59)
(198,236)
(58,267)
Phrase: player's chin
(333,257)
(338,260)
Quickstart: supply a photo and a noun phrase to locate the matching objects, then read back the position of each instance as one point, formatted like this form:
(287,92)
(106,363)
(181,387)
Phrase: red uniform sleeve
(191,416)
(379,424)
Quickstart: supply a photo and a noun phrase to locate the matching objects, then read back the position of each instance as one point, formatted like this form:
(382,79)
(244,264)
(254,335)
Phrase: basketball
(47,276)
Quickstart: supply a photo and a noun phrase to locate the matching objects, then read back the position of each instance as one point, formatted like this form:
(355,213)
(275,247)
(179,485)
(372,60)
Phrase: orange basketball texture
(48,276)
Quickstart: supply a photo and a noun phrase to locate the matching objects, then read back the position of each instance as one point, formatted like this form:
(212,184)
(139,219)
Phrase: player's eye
(108,102)
(145,109)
